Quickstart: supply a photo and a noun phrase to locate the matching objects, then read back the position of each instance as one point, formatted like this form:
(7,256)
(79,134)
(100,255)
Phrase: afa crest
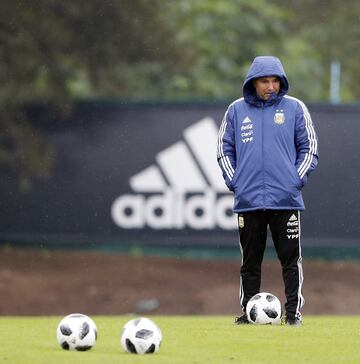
(279,117)
(241,221)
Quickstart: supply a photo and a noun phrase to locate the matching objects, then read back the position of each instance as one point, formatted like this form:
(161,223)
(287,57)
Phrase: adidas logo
(293,217)
(182,189)
(246,120)
(293,221)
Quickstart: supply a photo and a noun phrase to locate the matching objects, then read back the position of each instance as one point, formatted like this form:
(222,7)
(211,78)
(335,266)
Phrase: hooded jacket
(267,148)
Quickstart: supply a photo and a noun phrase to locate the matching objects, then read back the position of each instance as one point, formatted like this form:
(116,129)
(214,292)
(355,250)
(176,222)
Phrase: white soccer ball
(141,336)
(264,309)
(76,332)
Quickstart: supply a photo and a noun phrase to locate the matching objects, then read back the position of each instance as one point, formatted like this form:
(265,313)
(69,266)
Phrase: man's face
(265,86)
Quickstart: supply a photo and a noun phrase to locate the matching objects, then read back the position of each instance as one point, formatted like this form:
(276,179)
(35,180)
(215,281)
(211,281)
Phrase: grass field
(189,339)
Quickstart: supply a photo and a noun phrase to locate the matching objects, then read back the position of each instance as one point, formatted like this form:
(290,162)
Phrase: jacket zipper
(263,153)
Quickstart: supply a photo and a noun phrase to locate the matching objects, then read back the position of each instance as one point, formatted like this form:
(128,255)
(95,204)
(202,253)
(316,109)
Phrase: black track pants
(285,229)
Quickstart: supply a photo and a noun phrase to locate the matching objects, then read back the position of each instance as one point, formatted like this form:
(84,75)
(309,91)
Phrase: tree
(319,32)
(223,37)
(49,48)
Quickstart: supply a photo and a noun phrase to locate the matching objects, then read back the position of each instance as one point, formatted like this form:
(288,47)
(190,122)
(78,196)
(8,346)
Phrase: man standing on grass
(267,148)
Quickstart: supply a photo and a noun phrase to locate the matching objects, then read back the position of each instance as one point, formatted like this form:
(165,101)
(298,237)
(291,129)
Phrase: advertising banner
(148,174)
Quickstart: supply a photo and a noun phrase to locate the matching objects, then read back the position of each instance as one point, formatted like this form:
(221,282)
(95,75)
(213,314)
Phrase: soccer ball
(76,332)
(141,336)
(264,309)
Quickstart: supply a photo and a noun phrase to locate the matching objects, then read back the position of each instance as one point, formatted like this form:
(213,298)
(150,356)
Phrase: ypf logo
(184,188)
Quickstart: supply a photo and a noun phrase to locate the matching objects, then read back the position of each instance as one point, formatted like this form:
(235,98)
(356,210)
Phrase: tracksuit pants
(285,230)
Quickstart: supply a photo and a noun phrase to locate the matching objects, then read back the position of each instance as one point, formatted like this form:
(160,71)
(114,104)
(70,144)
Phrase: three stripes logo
(182,189)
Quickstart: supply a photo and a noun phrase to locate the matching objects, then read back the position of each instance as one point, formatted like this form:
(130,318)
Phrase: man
(267,147)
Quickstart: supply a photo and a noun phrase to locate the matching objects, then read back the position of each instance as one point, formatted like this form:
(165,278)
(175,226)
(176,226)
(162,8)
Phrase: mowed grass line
(189,339)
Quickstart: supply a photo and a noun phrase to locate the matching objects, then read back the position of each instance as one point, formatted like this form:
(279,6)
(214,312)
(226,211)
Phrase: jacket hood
(264,66)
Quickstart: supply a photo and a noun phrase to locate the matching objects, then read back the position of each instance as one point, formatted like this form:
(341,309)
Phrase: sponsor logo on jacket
(247,130)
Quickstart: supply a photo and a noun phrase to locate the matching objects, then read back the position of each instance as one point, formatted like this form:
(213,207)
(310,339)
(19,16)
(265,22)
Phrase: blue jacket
(267,149)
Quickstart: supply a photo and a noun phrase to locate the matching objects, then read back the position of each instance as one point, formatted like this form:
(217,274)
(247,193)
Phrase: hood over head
(264,66)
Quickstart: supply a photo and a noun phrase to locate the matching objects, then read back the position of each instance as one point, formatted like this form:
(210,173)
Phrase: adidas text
(174,210)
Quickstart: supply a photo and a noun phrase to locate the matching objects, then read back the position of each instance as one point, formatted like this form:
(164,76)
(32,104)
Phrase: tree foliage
(52,51)
(224,37)
(318,33)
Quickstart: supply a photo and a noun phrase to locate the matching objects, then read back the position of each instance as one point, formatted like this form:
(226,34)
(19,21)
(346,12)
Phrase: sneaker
(242,320)
(292,321)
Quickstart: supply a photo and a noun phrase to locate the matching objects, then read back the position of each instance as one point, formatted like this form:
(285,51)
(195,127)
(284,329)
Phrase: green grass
(190,340)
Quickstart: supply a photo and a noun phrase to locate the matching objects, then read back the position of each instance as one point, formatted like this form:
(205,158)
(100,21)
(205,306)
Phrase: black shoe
(292,321)
(242,320)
